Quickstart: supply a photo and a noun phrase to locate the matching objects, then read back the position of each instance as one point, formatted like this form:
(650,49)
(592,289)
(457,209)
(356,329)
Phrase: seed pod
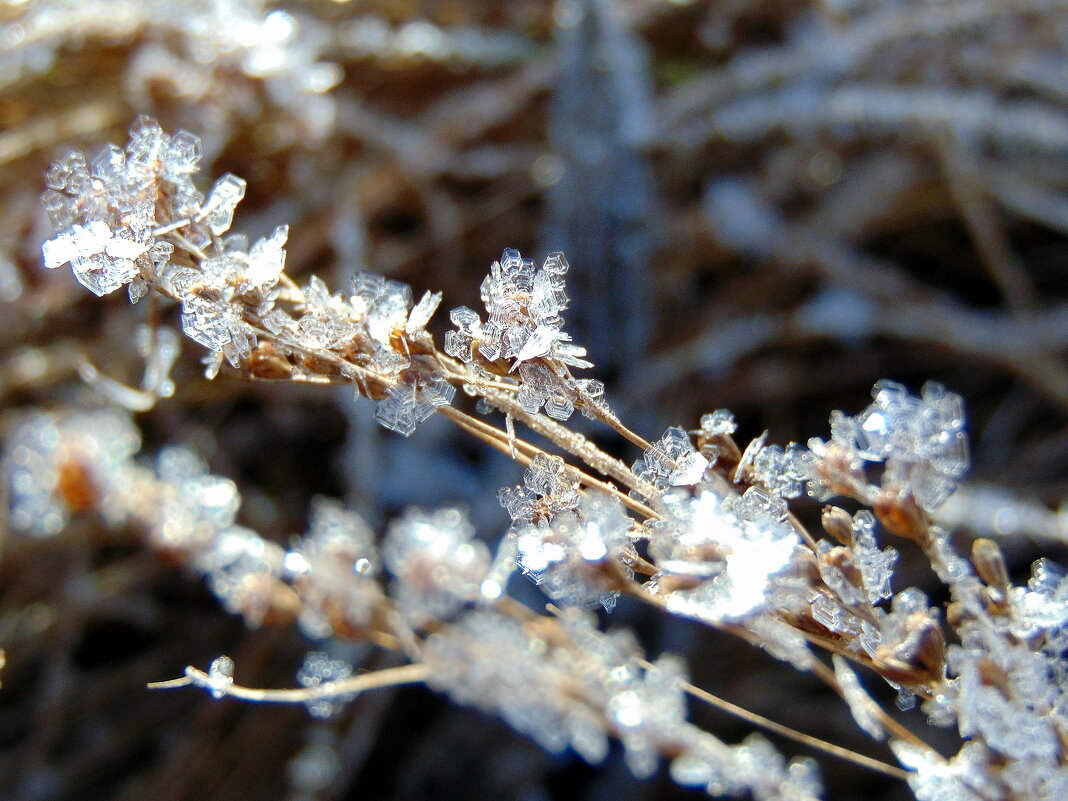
(919,658)
(838,523)
(901,515)
(990,563)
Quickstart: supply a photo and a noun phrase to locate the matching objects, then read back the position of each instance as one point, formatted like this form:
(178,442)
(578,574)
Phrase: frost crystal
(549,488)
(412,400)
(671,461)
(730,554)
(561,555)
(436,561)
(919,440)
(102,262)
(58,464)
(227,192)
(525,325)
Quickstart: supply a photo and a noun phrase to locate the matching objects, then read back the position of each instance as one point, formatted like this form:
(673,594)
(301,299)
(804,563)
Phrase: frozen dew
(422,312)
(386,304)
(919,440)
(876,566)
(524,304)
(58,463)
(731,553)
(220,676)
(560,554)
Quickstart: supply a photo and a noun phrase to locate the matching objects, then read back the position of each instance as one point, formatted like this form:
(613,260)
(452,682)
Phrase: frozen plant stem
(390,677)
(706,525)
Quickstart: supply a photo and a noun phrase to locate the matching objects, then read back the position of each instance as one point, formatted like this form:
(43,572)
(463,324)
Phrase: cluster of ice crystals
(1008,690)
(524,304)
(242,568)
(549,488)
(730,553)
(919,440)
(318,670)
(560,555)
(752,766)
(333,566)
(578,691)
(719,423)
(437,563)
(671,461)
(859,574)
(102,260)
(386,304)
(876,566)
(58,463)
(114,215)
(497,664)
(968,776)
(411,400)
(105,212)
(772,467)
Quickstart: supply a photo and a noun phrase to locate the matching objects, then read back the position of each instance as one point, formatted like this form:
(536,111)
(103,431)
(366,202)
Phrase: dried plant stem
(792,734)
(390,677)
(524,452)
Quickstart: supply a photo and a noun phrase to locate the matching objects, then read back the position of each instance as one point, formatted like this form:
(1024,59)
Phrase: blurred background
(767,206)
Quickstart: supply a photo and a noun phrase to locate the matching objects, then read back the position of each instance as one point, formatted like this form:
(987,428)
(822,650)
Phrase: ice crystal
(671,461)
(561,555)
(525,304)
(549,488)
(732,554)
(412,400)
(436,561)
(919,440)
(102,262)
(58,464)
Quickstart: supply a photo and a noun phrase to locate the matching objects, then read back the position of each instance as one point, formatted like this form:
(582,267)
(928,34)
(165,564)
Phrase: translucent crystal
(557,554)
(877,567)
(182,156)
(227,192)
(423,311)
(411,401)
(110,165)
(102,262)
(671,460)
(719,423)
(70,173)
(386,304)
(267,259)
